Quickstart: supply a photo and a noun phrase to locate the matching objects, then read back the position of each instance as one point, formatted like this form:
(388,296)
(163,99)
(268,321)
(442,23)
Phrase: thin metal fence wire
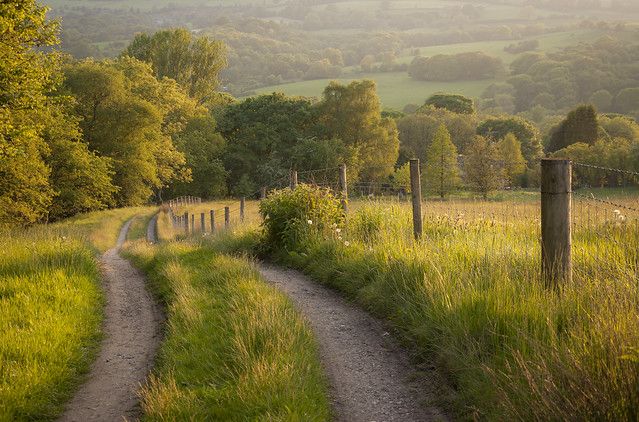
(605,229)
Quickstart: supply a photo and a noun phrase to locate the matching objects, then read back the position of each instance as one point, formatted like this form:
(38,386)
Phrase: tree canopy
(194,62)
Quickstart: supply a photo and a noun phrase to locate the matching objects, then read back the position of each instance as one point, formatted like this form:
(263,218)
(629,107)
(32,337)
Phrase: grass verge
(50,302)
(235,348)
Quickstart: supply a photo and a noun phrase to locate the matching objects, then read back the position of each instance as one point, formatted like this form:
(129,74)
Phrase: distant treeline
(77,136)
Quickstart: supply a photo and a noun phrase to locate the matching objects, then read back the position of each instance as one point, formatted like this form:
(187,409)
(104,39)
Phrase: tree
(579,126)
(514,162)
(203,148)
(452,102)
(417,131)
(482,169)
(352,113)
(194,63)
(496,128)
(125,116)
(441,173)
(261,133)
(27,75)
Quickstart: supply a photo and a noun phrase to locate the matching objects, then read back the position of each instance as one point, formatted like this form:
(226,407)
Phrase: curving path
(371,377)
(132,334)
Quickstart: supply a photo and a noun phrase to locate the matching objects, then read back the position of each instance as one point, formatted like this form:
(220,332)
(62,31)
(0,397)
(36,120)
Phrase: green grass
(235,348)
(50,311)
(470,298)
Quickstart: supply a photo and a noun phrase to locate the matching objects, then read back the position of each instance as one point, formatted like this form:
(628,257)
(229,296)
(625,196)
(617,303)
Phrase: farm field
(395,89)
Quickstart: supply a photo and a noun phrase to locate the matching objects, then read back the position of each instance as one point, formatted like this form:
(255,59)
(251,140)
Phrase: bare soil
(132,334)
(370,375)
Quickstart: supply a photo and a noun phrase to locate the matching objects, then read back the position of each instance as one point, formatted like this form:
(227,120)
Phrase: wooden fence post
(242,204)
(186,223)
(227,217)
(343,185)
(203,222)
(293,179)
(556,202)
(193,223)
(212,221)
(263,193)
(416,194)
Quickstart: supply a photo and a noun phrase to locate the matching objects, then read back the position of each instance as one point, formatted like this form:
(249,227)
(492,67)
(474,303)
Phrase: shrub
(293,216)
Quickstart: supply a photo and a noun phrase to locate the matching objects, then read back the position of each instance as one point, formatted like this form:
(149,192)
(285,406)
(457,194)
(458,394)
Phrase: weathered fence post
(263,193)
(416,194)
(193,223)
(186,223)
(227,217)
(212,221)
(556,202)
(242,204)
(343,186)
(203,222)
(293,179)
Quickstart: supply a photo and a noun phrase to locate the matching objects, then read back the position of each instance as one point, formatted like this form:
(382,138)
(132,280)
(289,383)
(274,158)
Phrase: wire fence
(603,220)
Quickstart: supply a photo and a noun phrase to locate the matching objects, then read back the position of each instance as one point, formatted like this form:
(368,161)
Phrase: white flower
(64,238)
(339,237)
(347,243)
(310,222)
(338,231)
(617,212)
(622,218)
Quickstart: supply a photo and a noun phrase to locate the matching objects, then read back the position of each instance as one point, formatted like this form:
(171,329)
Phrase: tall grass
(235,348)
(469,295)
(50,311)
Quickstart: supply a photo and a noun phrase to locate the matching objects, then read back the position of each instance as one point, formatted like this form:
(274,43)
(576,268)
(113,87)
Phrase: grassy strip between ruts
(50,310)
(235,348)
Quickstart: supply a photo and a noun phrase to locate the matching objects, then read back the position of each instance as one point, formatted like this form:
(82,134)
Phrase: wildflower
(617,212)
(338,231)
(310,222)
(334,225)
(347,243)
(339,237)
(64,238)
(622,218)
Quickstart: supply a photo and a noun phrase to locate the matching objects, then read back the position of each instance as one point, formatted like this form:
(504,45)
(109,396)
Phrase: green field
(395,89)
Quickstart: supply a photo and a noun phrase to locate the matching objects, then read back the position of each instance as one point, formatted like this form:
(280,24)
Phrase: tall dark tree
(579,126)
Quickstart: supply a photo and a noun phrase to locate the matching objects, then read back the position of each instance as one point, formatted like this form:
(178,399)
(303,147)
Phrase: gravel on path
(370,375)
(132,335)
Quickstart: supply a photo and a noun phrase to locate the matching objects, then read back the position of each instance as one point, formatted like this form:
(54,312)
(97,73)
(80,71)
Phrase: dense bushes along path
(132,333)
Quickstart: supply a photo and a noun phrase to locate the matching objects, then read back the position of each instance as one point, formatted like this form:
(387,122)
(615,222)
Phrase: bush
(293,216)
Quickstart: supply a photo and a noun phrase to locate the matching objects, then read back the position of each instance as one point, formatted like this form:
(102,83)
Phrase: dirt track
(132,334)
(371,377)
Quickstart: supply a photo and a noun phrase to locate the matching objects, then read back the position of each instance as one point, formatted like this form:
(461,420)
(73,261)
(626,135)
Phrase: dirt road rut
(371,377)
(132,334)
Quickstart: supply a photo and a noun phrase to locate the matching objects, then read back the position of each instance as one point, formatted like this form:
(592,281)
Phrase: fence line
(562,222)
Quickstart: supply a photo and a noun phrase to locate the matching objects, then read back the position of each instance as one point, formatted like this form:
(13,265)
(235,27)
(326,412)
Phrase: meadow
(469,296)
(51,310)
